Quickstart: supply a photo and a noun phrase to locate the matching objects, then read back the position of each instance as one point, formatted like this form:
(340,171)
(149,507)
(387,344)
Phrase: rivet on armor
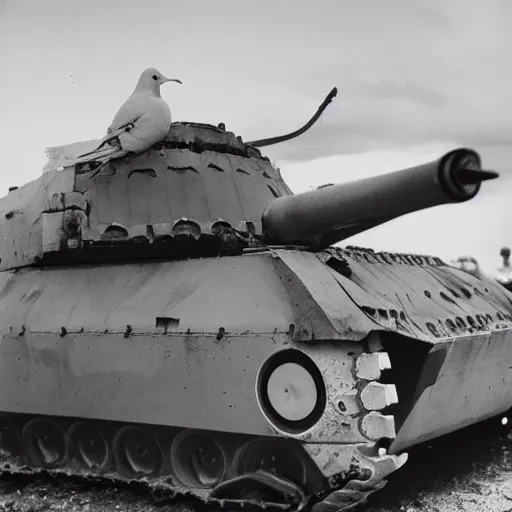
(376,426)
(376,396)
(370,366)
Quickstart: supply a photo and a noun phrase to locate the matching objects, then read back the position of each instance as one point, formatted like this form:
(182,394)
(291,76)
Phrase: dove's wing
(131,110)
(129,113)
(112,134)
(151,127)
(142,121)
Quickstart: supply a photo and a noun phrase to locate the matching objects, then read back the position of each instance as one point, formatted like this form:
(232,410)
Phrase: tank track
(346,489)
(158,458)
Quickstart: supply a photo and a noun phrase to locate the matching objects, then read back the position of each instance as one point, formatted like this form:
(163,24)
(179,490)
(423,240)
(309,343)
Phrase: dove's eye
(155,77)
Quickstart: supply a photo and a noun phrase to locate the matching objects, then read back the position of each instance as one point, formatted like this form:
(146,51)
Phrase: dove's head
(151,79)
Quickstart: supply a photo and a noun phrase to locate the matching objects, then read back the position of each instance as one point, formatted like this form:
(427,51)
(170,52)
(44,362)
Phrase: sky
(415,79)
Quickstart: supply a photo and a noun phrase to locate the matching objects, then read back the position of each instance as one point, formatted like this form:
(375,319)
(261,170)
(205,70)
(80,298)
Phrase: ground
(470,471)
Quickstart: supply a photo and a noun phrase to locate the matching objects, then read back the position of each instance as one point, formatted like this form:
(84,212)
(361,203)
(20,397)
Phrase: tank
(184,320)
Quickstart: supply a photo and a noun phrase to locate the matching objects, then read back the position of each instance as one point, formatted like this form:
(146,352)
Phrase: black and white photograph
(256,256)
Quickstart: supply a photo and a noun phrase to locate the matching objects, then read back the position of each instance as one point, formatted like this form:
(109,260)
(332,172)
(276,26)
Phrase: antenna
(282,138)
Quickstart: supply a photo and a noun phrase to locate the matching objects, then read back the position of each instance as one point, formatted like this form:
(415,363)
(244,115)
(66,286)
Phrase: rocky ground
(470,471)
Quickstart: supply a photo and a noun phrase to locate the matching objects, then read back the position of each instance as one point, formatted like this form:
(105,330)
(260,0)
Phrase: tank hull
(161,351)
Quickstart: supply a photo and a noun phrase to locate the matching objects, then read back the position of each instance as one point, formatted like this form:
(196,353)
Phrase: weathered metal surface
(417,296)
(22,228)
(160,380)
(473,383)
(166,380)
(246,294)
(336,305)
(203,188)
(131,329)
(421,298)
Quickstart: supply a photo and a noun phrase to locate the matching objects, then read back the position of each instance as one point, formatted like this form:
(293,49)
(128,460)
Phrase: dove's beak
(171,80)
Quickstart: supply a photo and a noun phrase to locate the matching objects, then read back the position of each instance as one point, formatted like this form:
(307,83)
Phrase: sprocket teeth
(376,426)
(376,396)
(371,366)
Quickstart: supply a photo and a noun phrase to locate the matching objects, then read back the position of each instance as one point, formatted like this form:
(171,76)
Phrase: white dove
(143,120)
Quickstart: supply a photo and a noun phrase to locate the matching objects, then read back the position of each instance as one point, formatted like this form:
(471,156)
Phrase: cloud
(407,91)
(406,75)
(390,113)
(408,72)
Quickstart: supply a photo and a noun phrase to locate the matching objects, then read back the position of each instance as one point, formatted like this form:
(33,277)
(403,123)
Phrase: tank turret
(203,192)
(199,192)
(179,318)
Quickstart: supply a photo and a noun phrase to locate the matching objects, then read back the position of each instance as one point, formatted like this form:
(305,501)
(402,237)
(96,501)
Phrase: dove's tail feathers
(102,155)
(98,151)
(94,151)
(106,140)
(112,137)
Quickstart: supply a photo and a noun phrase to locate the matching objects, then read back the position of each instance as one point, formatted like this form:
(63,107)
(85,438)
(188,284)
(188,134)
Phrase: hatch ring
(291,391)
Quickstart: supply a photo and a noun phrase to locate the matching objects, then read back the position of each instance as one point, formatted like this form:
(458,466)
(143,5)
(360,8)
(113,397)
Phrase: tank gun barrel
(333,213)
